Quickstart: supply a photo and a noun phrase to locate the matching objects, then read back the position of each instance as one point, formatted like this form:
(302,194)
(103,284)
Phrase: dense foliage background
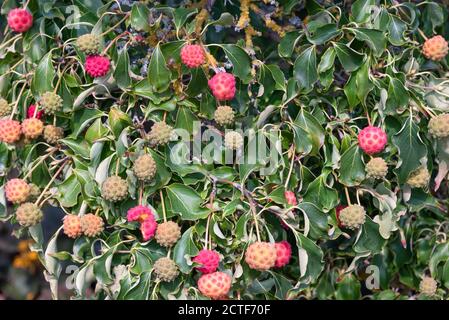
(310,76)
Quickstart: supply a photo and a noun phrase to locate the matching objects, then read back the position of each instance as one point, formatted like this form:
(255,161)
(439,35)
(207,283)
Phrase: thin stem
(206,238)
(291,166)
(357,196)
(51,181)
(141,193)
(29,173)
(163,205)
(256,223)
(116,25)
(17,101)
(117,166)
(347,196)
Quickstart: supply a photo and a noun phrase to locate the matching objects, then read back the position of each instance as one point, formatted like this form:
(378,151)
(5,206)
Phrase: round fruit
(168,233)
(224,115)
(261,255)
(419,178)
(165,269)
(208,260)
(91,225)
(376,168)
(291,198)
(160,133)
(53,134)
(32,128)
(283,253)
(32,109)
(50,102)
(439,126)
(435,48)
(372,139)
(10,131)
(114,189)
(353,216)
(148,228)
(145,167)
(29,214)
(215,285)
(17,191)
(192,55)
(233,140)
(89,44)
(223,86)
(20,20)
(97,66)
(72,226)
(5,108)
(428,286)
(139,213)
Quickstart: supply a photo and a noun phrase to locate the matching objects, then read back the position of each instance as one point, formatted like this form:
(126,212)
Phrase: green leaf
(43,76)
(121,72)
(411,149)
(350,59)
(361,10)
(69,191)
(315,132)
(352,168)
(370,239)
(185,248)
(96,131)
(348,288)
(375,39)
(180,16)
(305,68)
(239,59)
(320,194)
(158,72)
(323,34)
(396,30)
(186,202)
(363,82)
(288,43)
(327,60)
(140,17)
(397,96)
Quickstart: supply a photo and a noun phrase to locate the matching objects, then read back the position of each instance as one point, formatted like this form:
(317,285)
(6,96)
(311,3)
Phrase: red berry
(10,131)
(372,139)
(209,260)
(32,109)
(139,213)
(337,213)
(223,86)
(97,66)
(283,253)
(291,198)
(20,20)
(192,55)
(148,228)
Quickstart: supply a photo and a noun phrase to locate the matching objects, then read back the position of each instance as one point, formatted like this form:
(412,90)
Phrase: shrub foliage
(327,135)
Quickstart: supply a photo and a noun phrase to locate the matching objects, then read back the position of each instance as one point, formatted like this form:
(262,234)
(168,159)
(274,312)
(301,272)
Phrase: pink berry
(139,213)
(97,66)
(372,140)
(209,260)
(148,228)
(291,198)
(31,110)
(20,20)
(223,86)
(192,55)
(283,253)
